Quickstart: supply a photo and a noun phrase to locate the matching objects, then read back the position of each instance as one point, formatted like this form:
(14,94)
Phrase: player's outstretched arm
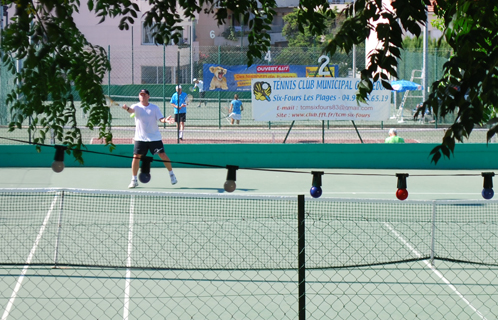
(128,109)
(168,119)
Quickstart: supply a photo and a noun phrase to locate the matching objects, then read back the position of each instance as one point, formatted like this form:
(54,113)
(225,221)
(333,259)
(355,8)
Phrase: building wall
(127,52)
(207,30)
(129,55)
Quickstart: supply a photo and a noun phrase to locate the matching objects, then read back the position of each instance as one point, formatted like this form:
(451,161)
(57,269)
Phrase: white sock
(133,178)
(171,173)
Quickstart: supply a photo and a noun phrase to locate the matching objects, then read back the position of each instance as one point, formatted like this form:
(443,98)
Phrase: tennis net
(186,231)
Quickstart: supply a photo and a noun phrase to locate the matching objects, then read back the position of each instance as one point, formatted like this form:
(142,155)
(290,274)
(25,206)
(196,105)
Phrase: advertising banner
(238,78)
(289,99)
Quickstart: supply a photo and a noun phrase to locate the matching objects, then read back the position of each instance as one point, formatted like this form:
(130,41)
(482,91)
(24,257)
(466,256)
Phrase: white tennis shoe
(173,178)
(133,184)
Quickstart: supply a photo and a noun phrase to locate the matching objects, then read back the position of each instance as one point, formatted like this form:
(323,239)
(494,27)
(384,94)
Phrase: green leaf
(436,154)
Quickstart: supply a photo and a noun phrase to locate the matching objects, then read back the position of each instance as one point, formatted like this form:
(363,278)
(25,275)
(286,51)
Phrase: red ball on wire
(402,194)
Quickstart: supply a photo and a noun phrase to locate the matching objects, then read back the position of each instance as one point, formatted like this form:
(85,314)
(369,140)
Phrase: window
(181,40)
(147,37)
(340,1)
(154,75)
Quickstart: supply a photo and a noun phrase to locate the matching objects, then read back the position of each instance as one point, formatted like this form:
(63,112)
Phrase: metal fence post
(219,95)
(164,82)
(301,257)
(109,72)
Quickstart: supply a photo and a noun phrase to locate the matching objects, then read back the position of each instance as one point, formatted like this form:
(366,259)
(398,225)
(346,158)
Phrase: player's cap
(178,87)
(145,91)
(195,79)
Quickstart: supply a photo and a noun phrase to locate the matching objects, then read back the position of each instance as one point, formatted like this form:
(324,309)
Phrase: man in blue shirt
(179,102)
(236,109)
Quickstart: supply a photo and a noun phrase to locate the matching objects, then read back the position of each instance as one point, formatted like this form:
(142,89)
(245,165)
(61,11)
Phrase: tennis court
(192,251)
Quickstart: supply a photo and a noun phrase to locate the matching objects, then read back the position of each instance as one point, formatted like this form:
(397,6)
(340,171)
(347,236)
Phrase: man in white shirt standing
(200,84)
(147,135)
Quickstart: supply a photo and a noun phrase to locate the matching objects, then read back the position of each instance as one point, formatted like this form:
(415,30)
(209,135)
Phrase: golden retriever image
(219,80)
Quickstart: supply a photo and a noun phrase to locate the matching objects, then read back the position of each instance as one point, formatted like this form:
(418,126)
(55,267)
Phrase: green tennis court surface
(192,251)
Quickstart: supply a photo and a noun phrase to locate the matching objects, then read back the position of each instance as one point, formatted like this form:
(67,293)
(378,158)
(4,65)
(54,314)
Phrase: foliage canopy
(56,54)
(296,38)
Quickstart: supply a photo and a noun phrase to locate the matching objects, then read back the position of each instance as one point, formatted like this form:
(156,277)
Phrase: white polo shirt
(146,118)
(200,85)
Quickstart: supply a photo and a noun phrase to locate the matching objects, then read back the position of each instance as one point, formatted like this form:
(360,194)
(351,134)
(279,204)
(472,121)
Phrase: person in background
(198,83)
(179,103)
(235,109)
(393,137)
(147,135)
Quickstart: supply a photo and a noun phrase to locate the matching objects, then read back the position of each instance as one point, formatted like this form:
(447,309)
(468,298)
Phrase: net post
(287,135)
(301,257)
(323,131)
(357,132)
(178,96)
(433,240)
(59,227)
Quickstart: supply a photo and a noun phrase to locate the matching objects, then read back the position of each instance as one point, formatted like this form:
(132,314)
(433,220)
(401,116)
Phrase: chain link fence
(160,68)
(83,254)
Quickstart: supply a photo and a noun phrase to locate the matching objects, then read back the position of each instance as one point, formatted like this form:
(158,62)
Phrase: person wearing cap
(179,102)
(147,135)
(393,137)
(198,83)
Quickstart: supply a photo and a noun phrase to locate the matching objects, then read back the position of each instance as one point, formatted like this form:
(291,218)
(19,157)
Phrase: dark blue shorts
(180,117)
(142,147)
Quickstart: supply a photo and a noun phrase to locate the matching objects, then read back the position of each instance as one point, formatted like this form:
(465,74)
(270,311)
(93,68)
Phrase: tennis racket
(225,111)
(110,102)
(190,98)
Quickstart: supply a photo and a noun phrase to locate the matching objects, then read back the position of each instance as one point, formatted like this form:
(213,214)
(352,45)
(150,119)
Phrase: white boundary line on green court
(28,261)
(436,272)
(126,307)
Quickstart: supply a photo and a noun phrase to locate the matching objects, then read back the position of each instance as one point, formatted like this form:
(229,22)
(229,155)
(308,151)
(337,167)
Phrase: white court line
(28,261)
(439,274)
(126,308)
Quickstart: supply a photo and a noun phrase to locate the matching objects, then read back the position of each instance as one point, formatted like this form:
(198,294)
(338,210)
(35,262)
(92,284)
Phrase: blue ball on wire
(487,193)
(316,192)
(144,177)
